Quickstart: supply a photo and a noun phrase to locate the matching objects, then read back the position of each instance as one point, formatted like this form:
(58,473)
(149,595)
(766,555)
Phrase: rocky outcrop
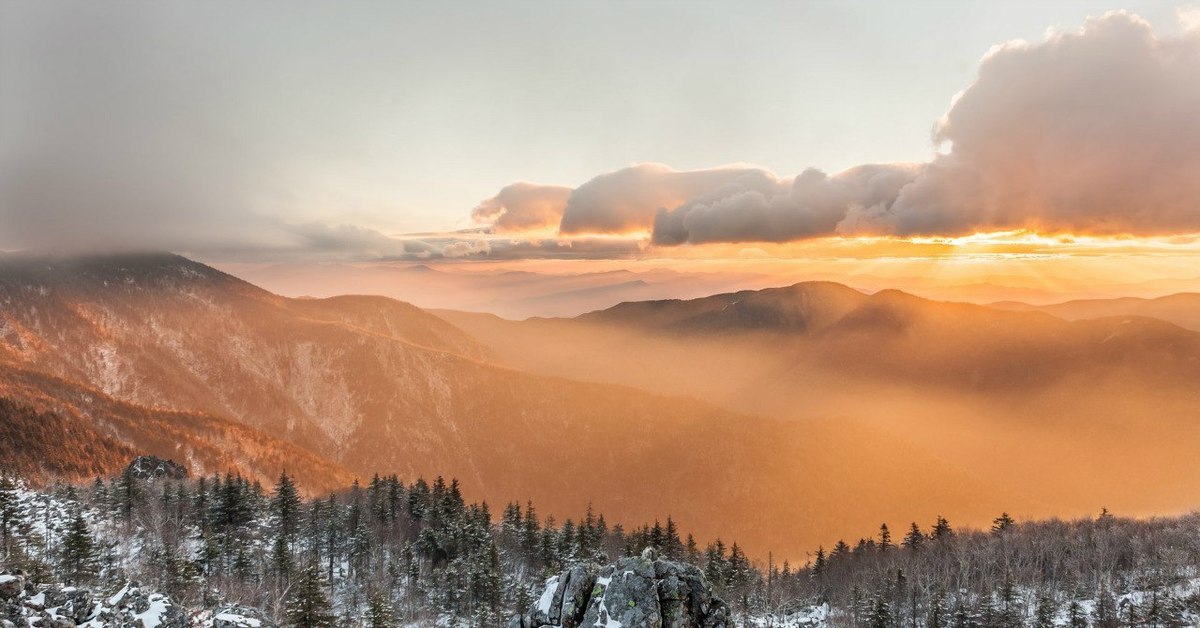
(153,468)
(634,592)
(238,616)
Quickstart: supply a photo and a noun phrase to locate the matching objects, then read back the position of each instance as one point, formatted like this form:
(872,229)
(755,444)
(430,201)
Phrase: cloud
(523,207)
(770,210)
(1093,131)
(626,200)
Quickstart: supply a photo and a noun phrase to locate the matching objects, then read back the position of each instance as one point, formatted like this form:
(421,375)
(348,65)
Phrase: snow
(154,615)
(547,598)
(120,595)
(5,579)
(239,620)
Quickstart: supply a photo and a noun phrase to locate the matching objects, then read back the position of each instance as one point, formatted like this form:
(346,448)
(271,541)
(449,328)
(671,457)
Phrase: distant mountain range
(1182,309)
(777,417)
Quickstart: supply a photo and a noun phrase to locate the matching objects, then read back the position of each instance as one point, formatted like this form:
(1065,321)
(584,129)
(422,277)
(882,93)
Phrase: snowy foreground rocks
(639,592)
(24,605)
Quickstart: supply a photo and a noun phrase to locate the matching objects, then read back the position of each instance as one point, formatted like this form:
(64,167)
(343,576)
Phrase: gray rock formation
(154,468)
(237,616)
(639,592)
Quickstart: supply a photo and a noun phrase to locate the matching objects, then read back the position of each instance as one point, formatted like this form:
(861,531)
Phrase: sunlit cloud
(1091,132)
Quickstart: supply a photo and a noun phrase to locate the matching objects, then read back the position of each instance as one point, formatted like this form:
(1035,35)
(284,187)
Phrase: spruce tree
(9,511)
(1045,611)
(307,606)
(78,549)
(914,538)
(885,538)
(941,529)
(285,508)
(379,612)
(1002,523)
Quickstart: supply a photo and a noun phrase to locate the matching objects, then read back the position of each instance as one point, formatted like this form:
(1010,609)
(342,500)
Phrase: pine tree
(379,612)
(78,549)
(941,529)
(1045,611)
(1010,612)
(914,538)
(937,616)
(1106,610)
(885,538)
(9,511)
(881,613)
(1002,523)
(285,508)
(307,606)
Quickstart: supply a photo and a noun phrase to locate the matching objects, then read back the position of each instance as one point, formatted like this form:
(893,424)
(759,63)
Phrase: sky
(275,131)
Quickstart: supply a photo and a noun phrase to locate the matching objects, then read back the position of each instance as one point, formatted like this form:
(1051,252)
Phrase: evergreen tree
(307,606)
(1105,614)
(9,511)
(379,612)
(78,549)
(285,508)
(914,538)
(941,529)
(881,613)
(1076,617)
(937,615)
(1002,523)
(1045,611)
(885,538)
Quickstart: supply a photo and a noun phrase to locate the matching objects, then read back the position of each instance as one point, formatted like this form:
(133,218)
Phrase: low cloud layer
(1095,130)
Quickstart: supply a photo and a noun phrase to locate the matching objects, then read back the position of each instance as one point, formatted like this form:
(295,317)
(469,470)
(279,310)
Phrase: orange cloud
(1093,131)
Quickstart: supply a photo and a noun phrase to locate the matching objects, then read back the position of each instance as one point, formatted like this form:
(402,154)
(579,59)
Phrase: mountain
(1182,309)
(828,328)
(373,385)
(1070,415)
(51,428)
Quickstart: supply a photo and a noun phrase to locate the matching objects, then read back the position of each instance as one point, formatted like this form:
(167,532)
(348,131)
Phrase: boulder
(73,603)
(634,592)
(150,468)
(237,616)
(11,586)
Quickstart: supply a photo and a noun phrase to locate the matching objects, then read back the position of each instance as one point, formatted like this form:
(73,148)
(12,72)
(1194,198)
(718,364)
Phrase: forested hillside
(393,553)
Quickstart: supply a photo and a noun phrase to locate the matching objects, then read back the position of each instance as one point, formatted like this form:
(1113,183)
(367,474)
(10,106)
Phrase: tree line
(390,553)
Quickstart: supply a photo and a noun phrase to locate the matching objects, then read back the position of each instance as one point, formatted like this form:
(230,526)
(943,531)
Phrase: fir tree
(937,616)
(881,613)
(285,508)
(914,538)
(1002,523)
(379,612)
(1045,611)
(885,538)
(307,606)
(78,549)
(941,529)
(9,511)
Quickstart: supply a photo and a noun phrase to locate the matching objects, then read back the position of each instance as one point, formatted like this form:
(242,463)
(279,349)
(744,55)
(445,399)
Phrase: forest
(392,553)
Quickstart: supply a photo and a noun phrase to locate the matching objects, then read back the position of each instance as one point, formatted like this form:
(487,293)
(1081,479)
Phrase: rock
(237,616)
(637,592)
(70,602)
(150,468)
(545,611)
(578,583)
(626,593)
(11,586)
(79,606)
